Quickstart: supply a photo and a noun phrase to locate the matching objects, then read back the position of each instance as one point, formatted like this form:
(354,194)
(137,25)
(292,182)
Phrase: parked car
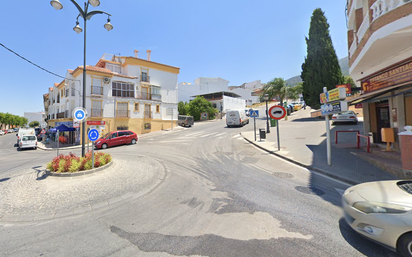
(10,130)
(382,212)
(183,120)
(349,116)
(5,131)
(296,106)
(28,141)
(120,137)
(236,118)
(24,131)
(1,132)
(292,108)
(16,129)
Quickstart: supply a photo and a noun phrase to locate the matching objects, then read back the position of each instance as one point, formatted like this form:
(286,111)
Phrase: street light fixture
(266,98)
(86,15)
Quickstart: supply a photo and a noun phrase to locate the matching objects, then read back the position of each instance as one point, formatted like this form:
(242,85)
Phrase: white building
(201,86)
(36,116)
(123,91)
(246,91)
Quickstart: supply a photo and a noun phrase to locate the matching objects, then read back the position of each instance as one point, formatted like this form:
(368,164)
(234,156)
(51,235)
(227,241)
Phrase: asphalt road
(220,197)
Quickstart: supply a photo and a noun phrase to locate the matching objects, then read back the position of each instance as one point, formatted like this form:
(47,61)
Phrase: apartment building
(124,92)
(380,59)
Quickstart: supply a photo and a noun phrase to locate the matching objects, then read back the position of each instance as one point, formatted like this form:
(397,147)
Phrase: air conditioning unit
(106,80)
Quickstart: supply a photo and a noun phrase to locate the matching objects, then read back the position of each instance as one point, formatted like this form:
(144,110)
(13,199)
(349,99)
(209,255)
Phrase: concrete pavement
(303,142)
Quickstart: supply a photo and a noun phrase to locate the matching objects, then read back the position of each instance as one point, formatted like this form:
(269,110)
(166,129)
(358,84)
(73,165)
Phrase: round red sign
(277,112)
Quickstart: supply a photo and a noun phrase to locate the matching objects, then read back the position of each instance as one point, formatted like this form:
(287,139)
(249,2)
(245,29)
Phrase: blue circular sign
(93,134)
(79,115)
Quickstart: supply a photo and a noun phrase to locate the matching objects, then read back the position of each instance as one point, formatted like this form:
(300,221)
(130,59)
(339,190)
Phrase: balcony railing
(97,113)
(352,49)
(363,28)
(147,114)
(122,113)
(60,115)
(97,90)
(148,96)
(380,7)
(145,78)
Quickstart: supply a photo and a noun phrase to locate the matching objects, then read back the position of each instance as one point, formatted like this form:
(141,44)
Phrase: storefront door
(383,120)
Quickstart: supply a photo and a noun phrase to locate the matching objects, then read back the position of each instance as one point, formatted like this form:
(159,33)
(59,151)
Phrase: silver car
(28,141)
(349,116)
(382,212)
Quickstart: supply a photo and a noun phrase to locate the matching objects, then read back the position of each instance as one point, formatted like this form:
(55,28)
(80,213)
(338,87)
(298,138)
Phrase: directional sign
(79,114)
(333,95)
(277,112)
(93,135)
(254,113)
(334,107)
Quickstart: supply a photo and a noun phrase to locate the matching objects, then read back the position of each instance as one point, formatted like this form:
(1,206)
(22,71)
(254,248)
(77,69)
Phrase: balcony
(144,78)
(122,113)
(148,96)
(97,113)
(60,115)
(97,90)
(380,7)
(363,28)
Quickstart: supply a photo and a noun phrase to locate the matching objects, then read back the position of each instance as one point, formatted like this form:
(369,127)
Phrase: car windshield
(105,135)
(405,186)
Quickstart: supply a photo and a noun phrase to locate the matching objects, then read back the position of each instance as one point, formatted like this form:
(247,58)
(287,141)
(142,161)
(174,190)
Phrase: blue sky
(238,40)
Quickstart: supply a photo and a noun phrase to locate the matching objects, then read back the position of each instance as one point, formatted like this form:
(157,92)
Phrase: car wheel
(35,148)
(133,141)
(104,146)
(404,245)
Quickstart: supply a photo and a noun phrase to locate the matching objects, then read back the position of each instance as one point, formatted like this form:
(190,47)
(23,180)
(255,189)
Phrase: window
(67,91)
(114,67)
(136,106)
(147,111)
(72,87)
(122,110)
(97,88)
(120,134)
(114,135)
(157,108)
(121,89)
(97,109)
(144,76)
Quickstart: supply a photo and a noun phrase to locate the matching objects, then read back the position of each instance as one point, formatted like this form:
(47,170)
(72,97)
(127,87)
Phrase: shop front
(387,102)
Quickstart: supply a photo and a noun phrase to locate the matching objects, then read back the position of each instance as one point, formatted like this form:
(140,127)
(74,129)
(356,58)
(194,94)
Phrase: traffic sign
(79,114)
(334,107)
(277,112)
(93,135)
(95,122)
(254,113)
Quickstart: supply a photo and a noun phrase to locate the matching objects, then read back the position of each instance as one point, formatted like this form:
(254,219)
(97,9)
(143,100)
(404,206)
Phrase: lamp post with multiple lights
(86,15)
(266,98)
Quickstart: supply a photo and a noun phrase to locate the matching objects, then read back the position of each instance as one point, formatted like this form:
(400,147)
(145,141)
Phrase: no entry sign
(277,112)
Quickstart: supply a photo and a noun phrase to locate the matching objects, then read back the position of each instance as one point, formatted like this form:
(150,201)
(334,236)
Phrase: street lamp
(266,98)
(86,15)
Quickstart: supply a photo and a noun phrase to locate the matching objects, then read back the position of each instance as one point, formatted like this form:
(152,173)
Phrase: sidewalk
(303,142)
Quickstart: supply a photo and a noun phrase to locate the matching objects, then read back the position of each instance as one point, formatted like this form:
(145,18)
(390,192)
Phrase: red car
(120,137)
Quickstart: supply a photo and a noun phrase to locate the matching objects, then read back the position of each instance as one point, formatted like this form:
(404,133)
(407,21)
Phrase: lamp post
(86,15)
(266,98)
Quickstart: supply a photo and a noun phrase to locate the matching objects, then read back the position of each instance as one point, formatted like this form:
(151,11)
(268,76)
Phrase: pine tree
(321,67)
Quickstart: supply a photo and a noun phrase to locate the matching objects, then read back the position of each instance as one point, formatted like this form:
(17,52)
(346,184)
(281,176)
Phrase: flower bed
(72,163)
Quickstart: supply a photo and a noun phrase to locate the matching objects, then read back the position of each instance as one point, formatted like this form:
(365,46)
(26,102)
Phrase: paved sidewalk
(303,142)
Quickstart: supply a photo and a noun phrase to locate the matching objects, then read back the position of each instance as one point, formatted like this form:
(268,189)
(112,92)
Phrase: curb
(79,173)
(309,167)
(60,148)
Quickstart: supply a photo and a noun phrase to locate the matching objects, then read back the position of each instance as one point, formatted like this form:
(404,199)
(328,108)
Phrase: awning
(376,95)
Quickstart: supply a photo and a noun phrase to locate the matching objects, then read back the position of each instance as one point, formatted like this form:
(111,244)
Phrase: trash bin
(262,133)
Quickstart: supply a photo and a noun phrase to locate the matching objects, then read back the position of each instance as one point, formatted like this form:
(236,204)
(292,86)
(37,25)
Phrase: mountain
(344,67)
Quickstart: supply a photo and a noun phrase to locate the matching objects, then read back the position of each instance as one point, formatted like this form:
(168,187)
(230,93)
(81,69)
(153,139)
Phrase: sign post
(277,112)
(254,114)
(93,136)
(331,105)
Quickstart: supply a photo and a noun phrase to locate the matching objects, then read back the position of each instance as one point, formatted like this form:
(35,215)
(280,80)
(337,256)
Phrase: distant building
(224,100)
(248,91)
(201,85)
(36,116)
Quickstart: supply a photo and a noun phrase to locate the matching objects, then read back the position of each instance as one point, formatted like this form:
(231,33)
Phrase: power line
(32,62)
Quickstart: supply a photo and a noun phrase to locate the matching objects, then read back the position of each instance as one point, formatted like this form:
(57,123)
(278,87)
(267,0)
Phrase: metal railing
(148,96)
(60,115)
(144,78)
(122,113)
(368,142)
(97,90)
(96,112)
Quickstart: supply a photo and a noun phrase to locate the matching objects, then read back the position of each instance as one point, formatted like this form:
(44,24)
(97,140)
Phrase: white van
(236,118)
(28,141)
(24,131)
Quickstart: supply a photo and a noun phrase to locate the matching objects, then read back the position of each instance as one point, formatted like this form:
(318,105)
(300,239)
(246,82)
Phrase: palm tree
(275,88)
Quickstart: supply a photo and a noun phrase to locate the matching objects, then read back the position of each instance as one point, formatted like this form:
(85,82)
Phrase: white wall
(230,103)
(35,116)
(201,86)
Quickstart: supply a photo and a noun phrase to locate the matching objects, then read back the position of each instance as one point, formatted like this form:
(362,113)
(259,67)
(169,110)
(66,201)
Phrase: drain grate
(282,175)
(310,190)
